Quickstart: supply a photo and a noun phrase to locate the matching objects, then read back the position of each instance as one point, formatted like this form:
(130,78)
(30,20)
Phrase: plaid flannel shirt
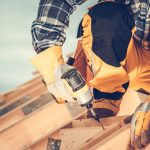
(141,11)
(53,18)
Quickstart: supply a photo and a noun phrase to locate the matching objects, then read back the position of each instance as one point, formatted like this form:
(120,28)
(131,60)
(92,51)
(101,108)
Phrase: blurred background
(15,39)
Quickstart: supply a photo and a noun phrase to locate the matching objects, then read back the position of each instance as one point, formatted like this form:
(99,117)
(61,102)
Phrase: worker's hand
(140,126)
(51,65)
(60,89)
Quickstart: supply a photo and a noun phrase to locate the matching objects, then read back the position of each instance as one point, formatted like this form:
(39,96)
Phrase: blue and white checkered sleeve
(52,19)
(140,9)
(142,33)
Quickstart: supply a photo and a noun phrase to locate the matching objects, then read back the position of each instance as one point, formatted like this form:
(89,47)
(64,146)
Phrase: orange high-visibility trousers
(137,65)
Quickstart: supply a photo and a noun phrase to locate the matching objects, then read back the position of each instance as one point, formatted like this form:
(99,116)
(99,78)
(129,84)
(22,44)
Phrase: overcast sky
(15,39)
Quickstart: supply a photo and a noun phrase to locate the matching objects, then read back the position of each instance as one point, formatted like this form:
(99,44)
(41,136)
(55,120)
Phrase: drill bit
(96,118)
(101,124)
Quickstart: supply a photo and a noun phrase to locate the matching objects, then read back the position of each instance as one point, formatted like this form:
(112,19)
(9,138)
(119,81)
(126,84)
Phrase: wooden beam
(118,140)
(23,111)
(110,141)
(21,91)
(83,135)
(39,125)
(30,94)
(6,95)
(71,138)
(81,123)
(42,145)
(99,136)
(2,102)
(23,100)
(131,98)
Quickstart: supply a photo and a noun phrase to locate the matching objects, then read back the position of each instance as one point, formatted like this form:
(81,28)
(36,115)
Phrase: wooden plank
(15,104)
(21,91)
(81,123)
(71,138)
(33,106)
(122,136)
(22,99)
(42,145)
(2,102)
(18,103)
(18,89)
(131,98)
(118,140)
(8,95)
(110,141)
(99,136)
(22,112)
(4,95)
(39,125)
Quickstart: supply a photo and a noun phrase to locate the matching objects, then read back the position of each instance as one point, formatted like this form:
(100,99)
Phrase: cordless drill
(82,92)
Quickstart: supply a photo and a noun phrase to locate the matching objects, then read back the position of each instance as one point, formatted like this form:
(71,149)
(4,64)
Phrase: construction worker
(112,51)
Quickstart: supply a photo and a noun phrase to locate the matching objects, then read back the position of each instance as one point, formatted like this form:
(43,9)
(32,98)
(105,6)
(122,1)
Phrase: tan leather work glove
(51,65)
(140,126)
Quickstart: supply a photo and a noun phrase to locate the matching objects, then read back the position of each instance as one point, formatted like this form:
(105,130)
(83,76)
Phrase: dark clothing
(111,31)
(53,18)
